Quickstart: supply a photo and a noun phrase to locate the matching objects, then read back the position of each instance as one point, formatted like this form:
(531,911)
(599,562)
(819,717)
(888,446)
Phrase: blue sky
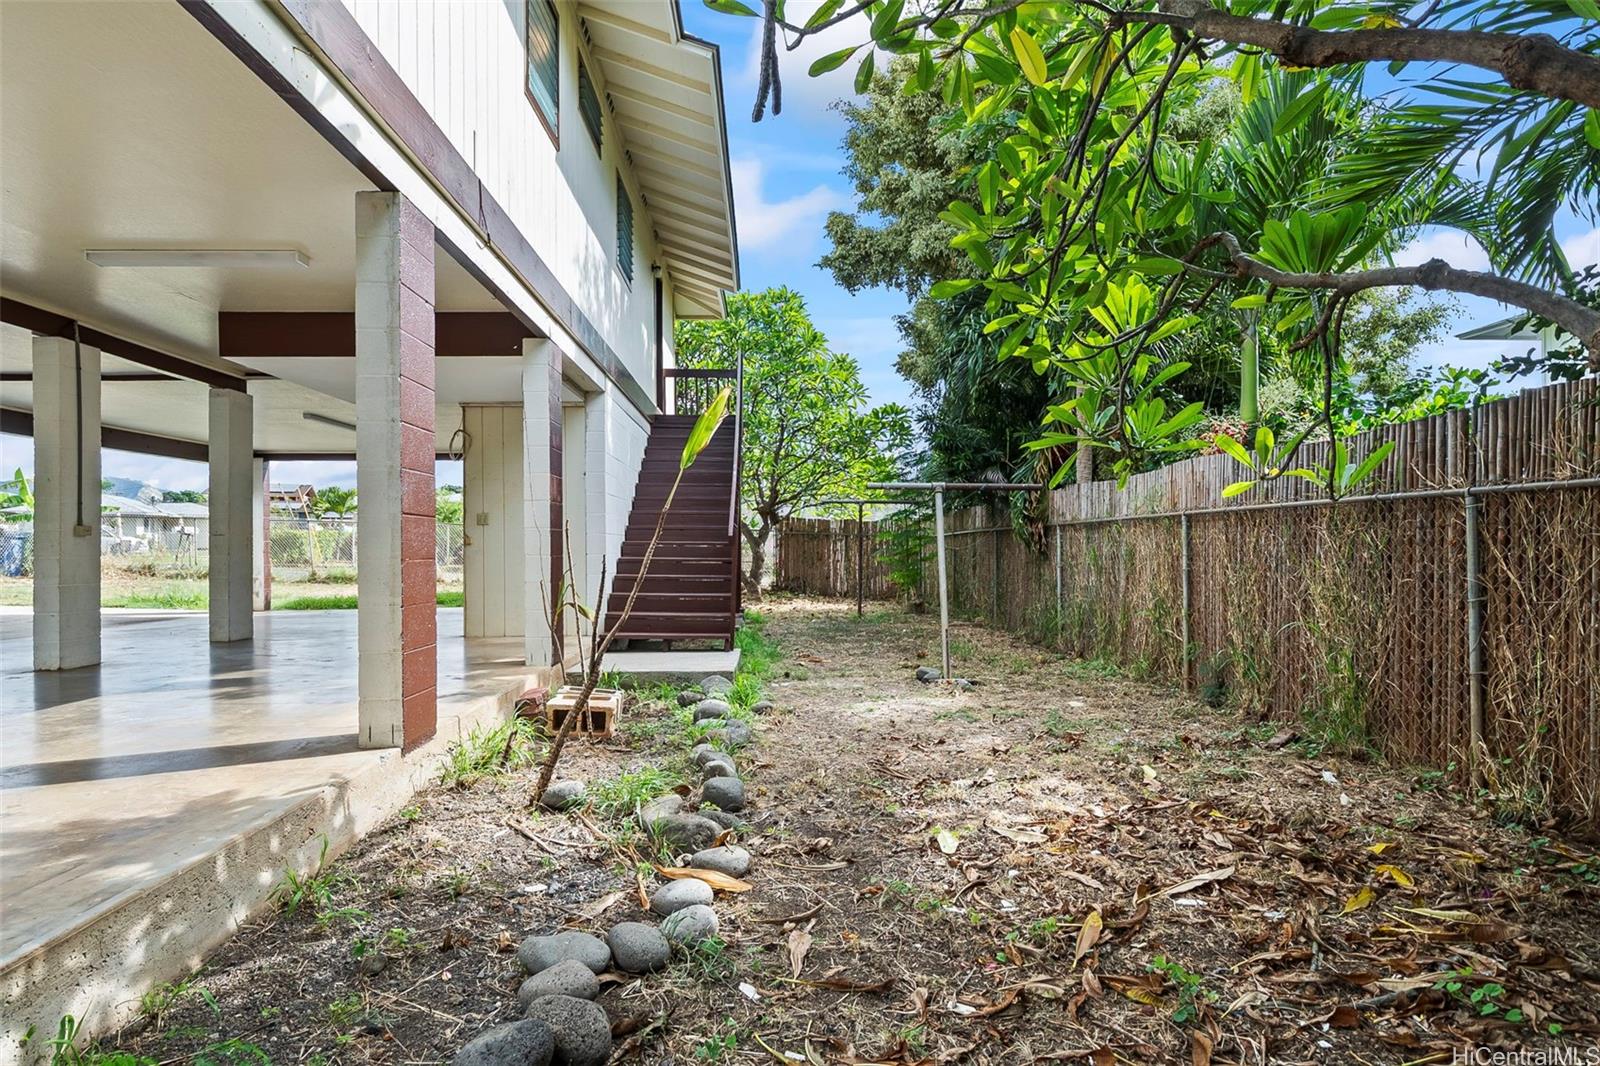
(786,175)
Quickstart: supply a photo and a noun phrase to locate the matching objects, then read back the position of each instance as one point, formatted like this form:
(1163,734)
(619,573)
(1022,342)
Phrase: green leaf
(989,185)
(887,18)
(1029,57)
(1298,110)
(1156,264)
(731,7)
(1237,487)
(864,74)
(926,72)
(1369,464)
(823,13)
(832,61)
(1253,300)
(1080,63)
(943,290)
(1232,447)
(705,427)
(1586,9)
(1591,126)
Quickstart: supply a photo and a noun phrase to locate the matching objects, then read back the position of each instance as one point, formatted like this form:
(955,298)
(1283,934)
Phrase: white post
(66,522)
(541,494)
(259,535)
(231,535)
(944,596)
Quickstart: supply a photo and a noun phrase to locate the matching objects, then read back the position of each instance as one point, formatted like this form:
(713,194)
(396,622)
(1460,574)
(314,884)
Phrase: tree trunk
(757,540)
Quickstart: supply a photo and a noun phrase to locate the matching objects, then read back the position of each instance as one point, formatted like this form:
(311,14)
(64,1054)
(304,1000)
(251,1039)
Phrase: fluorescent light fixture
(197,257)
(312,416)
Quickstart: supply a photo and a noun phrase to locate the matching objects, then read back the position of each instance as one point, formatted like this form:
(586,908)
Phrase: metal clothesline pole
(938,489)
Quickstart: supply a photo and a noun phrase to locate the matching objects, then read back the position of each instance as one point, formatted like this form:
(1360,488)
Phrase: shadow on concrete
(30,775)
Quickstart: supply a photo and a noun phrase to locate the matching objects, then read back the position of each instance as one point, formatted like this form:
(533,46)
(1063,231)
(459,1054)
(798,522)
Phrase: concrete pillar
(396,626)
(66,519)
(541,495)
(261,546)
(233,526)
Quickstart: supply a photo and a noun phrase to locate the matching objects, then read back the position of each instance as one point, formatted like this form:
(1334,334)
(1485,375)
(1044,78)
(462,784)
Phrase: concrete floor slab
(115,779)
(677,666)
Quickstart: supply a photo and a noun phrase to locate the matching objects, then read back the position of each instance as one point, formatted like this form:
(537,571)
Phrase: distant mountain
(133,489)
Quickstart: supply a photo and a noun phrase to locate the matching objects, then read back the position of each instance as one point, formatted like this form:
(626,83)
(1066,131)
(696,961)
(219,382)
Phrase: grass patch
(348,602)
(488,753)
(618,797)
(758,653)
(174,598)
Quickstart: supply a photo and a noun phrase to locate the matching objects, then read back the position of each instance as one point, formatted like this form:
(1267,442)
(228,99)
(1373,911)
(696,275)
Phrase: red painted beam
(332,334)
(50,324)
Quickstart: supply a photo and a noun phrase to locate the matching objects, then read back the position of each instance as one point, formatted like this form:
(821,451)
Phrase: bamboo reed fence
(821,557)
(1351,618)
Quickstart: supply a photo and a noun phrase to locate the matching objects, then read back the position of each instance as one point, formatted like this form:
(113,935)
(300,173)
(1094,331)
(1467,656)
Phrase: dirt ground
(1057,865)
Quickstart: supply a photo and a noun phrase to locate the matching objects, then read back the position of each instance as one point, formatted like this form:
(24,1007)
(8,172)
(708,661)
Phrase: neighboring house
(1518,328)
(291,501)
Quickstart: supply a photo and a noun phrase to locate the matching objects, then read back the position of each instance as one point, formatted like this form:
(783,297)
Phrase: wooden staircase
(690,593)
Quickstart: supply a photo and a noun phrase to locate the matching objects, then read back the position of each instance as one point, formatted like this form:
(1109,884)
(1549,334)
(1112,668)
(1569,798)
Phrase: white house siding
(466,64)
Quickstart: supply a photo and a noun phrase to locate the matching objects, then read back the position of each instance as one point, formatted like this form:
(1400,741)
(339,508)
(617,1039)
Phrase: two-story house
(245,231)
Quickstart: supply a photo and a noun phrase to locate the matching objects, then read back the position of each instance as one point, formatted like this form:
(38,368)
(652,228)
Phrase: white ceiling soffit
(665,92)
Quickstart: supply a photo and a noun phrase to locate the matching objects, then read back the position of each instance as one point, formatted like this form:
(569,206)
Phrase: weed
(1192,993)
(329,918)
(411,813)
(708,960)
(1080,669)
(1043,930)
(65,1052)
(316,887)
(957,714)
(1061,727)
(961,648)
(489,752)
(399,939)
(1485,998)
(347,1010)
(618,797)
(720,1044)
(232,1053)
(155,1004)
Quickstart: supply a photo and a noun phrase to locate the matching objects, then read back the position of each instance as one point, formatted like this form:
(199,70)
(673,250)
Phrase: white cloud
(1455,248)
(1582,249)
(795,222)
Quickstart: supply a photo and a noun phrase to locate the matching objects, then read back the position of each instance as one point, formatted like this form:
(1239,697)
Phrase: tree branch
(1536,62)
(1435,275)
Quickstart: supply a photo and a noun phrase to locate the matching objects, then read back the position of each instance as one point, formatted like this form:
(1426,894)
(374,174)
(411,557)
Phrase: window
(589,104)
(544,63)
(624,231)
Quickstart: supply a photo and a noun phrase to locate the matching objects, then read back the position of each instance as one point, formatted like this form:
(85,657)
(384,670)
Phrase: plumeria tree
(809,432)
(1099,241)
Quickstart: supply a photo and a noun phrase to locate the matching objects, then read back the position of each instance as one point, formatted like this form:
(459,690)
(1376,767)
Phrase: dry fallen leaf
(1399,876)
(1022,835)
(1197,880)
(1088,936)
(946,840)
(799,944)
(1356,902)
(719,881)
